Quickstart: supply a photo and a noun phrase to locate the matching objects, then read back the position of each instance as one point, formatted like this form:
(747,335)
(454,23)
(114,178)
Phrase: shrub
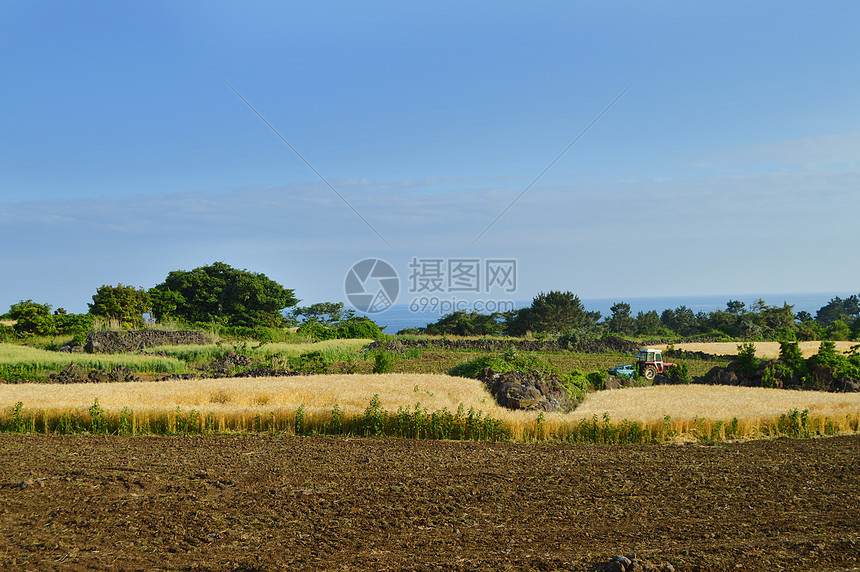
(838,330)
(578,386)
(747,362)
(678,373)
(504,362)
(597,379)
(383,362)
(791,356)
(353,328)
(359,328)
(310,362)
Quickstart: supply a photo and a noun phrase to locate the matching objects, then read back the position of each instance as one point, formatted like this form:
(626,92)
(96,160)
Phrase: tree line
(220,295)
(237,302)
(563,314)
(215,294)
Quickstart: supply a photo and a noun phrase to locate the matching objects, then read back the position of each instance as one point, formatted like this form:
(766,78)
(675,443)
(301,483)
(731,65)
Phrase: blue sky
(730,166)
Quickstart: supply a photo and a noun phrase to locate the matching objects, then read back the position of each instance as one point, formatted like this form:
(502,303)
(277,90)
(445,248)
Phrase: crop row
(417,423)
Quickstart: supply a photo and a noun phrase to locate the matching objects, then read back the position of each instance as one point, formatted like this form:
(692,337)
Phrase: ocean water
(399,316)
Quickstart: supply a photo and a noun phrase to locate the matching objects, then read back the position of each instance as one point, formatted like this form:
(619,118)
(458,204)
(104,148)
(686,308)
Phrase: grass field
(333,349)
(762,349)
(44,360)
(240,404)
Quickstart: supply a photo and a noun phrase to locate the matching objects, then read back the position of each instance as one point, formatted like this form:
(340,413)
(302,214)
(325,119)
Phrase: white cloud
(832,151)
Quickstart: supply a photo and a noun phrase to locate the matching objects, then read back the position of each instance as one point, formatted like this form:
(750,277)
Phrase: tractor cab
(648,355)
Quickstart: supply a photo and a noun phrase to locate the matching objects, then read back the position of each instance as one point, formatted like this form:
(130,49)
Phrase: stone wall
(134,340)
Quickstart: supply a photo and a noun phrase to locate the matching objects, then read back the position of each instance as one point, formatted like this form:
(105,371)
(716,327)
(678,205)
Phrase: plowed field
(272,503)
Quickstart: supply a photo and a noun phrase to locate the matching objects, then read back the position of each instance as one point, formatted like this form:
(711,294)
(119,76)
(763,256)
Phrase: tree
(681,320)
(462,323)
(838,330)
(808,331)
(725,321)
(326,313)
(790,355)
(32,318)
(554,312)
(735,307)
(803,317)
(621,322)
(647,323)
(221,294)
(124,304)
(747,361)
(838,309)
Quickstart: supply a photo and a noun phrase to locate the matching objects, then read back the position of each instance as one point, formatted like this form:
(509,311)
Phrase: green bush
(316,331)
(792,357)
(383,362)
(504,362)
(352,328)
(33,319)
(7,333)
(678,373)
(310,362)
(747,362)
(578,386)
(359,328)
(597,379)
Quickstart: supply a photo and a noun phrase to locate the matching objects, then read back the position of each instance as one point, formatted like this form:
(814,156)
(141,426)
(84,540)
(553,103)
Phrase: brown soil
(271,503)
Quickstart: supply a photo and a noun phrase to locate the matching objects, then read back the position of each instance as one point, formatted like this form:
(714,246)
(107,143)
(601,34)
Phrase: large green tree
(126,304)
(621,321)
(219,293)
(32,318)
(551,312)
(845,309)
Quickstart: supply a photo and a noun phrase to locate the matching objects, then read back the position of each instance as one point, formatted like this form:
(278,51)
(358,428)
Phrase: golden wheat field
(767,350)
(235,402)
(717,402)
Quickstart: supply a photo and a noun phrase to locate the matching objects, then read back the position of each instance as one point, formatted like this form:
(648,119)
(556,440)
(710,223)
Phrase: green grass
(40,360)
(334,350)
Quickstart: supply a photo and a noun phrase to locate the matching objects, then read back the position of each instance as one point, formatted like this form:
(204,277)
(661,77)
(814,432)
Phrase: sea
(400,316)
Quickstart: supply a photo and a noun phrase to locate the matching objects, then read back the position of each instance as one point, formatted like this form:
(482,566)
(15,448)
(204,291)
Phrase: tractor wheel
(649,372)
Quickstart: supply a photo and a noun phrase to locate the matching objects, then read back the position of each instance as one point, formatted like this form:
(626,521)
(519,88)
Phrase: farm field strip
(767,350)
(241,403)
(14,354)
(335,347)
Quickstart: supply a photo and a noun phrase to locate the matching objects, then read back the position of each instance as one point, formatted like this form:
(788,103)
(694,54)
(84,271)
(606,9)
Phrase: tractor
(650,363)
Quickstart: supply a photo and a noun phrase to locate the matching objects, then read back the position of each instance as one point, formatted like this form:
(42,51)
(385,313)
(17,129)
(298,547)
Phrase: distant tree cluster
(562,314)
(329,321)
(553,312)
(34,319)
